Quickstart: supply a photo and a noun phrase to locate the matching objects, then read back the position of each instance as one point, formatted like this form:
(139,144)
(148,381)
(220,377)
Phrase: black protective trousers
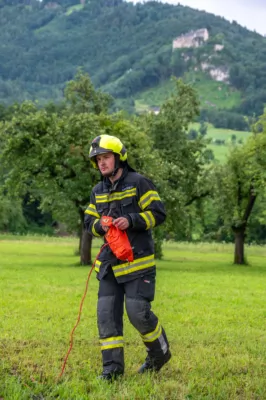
(137,295)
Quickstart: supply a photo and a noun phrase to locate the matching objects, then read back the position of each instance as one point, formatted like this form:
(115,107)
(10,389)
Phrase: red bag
(117,240)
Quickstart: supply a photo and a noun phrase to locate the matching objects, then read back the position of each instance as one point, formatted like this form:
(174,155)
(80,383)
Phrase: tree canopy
(45,151)
(239,183)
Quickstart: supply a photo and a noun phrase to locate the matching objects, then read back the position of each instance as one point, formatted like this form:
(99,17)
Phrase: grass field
(213,312)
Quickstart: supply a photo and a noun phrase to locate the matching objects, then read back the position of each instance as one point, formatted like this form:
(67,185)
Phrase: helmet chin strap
(117,165)
(111,174)
(114,172)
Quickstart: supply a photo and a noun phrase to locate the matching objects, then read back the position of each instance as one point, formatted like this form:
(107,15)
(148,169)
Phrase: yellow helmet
(105,144)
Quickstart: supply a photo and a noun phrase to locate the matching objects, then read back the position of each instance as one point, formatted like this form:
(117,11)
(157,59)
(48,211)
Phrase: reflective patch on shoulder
(127,187)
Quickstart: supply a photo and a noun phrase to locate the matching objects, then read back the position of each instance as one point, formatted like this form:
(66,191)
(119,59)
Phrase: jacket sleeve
(153,212)
(92,219)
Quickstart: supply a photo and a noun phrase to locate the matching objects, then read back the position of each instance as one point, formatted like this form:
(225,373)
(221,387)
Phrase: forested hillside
(128,51)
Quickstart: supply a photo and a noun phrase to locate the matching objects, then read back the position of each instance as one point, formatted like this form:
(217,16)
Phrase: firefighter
(135,206)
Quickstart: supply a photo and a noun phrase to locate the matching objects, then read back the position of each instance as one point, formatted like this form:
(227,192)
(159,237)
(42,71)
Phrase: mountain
(130,51)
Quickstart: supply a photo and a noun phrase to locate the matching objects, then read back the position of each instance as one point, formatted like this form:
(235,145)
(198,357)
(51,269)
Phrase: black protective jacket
(135,197)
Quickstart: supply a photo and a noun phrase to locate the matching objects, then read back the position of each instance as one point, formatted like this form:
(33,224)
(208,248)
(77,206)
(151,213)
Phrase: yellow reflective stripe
(148,218)
(131,269)
(150,337)
(111,339)
(136,265)
(101,195)
(91,210)
(93,229)
(112,343)
(105,198)
(97,265)
(147,198)
(124,195)
(112,346)
(146,195)
(139,260)
(151,217)
(101,199)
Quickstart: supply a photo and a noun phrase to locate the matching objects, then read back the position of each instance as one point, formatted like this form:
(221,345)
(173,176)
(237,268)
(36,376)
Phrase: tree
(46,154)
(238,184)
(203,128)
(83,98)
(11,216)
(184,161)
(233,138)
(192,134)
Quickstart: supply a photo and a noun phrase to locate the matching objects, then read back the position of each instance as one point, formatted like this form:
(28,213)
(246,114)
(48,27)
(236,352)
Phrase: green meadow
(221,151)
(213,312)
(212,94)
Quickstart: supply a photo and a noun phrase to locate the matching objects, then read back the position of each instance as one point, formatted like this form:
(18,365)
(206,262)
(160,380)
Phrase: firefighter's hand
(121,223)
(104,227)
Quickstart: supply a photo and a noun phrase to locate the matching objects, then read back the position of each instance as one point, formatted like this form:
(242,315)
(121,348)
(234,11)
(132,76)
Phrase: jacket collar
(113,186)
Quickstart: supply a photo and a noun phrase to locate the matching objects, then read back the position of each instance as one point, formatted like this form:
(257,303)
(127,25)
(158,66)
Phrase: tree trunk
(85,248)
(239,231)
(239,245)
(85,243)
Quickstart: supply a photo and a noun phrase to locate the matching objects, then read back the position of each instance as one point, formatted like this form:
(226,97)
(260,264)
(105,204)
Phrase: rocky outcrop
(220,74)
(218,47)
(191,39)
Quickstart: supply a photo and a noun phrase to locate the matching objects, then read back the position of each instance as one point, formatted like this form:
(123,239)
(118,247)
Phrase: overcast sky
(249,13)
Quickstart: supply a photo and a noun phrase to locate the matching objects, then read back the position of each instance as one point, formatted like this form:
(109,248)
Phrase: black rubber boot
(154,363)
(110,376)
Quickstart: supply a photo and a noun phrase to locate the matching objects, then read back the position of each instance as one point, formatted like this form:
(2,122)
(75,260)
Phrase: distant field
(226,134)
(76,7)
(212,94)
(222,150)
(213,312)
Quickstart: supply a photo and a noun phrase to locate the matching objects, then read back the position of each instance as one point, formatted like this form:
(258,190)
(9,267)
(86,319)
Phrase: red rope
(79,314)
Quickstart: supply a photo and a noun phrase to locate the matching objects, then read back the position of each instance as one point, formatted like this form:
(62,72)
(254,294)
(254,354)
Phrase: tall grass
(213,312)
